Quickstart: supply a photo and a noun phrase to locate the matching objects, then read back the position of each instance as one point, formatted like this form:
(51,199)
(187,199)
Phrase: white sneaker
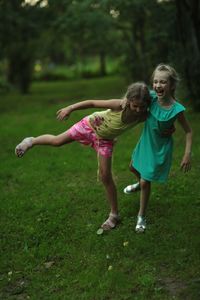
(129,189)
(141,224)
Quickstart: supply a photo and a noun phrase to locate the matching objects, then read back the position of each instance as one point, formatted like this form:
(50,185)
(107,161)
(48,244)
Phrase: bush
(49,76)
(5,87)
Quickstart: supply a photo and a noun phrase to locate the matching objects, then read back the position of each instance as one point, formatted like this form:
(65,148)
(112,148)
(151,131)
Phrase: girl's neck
(166,101)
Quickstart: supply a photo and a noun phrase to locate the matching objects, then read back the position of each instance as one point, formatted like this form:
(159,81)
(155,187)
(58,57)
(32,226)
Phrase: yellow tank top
(108,124)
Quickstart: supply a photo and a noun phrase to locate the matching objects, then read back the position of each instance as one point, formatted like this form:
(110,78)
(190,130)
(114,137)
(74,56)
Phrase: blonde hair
(173,75)
(140,91)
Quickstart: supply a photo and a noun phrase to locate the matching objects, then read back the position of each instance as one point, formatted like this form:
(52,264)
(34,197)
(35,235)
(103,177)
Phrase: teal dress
(152,156)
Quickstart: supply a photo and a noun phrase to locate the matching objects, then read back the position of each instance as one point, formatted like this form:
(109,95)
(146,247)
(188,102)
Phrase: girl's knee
(132,169)
(105,177)
(144,183)
(56,141)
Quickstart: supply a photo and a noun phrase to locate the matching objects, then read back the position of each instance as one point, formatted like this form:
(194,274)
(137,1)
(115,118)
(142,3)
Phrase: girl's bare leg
(129,189)
(46,139)
(145,187)
(52,140)
(144,196)
(105,172)
(133,170)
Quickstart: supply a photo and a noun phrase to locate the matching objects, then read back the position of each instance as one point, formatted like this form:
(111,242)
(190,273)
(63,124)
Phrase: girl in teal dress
(151,159)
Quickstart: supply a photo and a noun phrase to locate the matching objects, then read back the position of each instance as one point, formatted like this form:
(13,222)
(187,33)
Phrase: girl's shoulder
(179,107)
(165,114)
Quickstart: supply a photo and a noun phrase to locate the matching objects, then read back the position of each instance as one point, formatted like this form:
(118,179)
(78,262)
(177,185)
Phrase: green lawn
(52,205)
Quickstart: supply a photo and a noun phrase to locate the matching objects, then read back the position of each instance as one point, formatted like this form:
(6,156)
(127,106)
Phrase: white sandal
(141,224)
(111,222)
(23,146)
(129,189)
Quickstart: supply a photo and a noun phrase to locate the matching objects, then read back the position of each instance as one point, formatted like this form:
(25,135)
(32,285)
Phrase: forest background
(62,39)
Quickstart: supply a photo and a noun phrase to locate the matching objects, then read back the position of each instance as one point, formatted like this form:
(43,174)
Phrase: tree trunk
(20,72)
(188,19)
(102,59)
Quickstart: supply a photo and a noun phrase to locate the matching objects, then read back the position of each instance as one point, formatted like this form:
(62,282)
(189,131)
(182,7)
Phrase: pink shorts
(83,133)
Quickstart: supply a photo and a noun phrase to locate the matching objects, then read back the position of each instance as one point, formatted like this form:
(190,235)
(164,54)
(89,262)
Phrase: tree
(130,18)
(87,28)
(146,27)
(188,19)
(21,27)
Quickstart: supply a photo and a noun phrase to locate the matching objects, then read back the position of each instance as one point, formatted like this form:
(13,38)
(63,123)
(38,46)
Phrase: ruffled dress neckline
(162,113)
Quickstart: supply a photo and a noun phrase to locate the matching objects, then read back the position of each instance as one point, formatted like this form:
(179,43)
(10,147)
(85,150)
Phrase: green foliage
(138,33)
(19,33)
(52,206)
(142,24)
(188,20)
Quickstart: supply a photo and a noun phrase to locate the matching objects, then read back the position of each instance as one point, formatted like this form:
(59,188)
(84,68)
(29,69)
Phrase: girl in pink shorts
(85,134)
(99,130)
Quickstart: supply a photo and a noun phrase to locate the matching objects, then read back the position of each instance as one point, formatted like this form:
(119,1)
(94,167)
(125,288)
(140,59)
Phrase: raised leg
(134,171)
(46,139)
(129,189)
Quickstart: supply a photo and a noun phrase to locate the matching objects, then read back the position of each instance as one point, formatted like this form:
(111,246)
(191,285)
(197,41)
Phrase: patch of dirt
(173,286)
(16,290)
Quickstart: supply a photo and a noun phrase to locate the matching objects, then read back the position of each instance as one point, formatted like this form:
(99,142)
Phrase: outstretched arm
(186,161)
(65,112)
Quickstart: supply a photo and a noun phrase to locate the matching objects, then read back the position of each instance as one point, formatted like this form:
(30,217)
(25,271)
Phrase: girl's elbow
(189,131)
(91,103)
(189,135)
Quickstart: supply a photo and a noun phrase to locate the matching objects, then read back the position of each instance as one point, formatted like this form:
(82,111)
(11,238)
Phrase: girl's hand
(63,113)
(186,163)
(168,132)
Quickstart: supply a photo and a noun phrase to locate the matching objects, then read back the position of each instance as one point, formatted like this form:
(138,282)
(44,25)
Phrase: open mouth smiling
(159,92)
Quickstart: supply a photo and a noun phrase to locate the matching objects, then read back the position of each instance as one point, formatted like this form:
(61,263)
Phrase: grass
(52,205)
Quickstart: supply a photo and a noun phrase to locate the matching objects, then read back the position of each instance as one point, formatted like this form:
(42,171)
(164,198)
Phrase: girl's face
(137,106)
(162,85)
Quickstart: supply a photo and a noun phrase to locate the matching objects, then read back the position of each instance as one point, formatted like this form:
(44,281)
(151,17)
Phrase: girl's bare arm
(186,161)
(115,104)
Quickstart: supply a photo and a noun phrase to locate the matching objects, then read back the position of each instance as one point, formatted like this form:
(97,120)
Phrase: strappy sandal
(141,224)
(111,222)
(23,146)
(129,189)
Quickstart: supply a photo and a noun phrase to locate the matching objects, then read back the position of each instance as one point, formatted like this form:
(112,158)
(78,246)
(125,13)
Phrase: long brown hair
(140,91)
